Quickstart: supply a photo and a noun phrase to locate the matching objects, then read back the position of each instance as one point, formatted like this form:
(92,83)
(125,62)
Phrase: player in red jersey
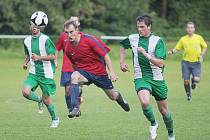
(89,56)
(67,68)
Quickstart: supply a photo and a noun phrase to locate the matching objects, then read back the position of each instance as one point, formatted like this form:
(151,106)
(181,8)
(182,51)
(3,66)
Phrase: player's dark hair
(145,18)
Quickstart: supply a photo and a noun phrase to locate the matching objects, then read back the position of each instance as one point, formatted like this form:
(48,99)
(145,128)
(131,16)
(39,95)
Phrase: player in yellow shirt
(194,48)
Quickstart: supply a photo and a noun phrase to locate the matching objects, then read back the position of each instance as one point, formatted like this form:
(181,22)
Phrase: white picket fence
(23,36)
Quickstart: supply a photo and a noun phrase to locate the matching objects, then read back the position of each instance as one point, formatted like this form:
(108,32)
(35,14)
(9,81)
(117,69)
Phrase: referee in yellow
(194,48)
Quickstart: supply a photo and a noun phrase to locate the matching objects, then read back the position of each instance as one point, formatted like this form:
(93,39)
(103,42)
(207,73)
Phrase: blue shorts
(101,81)
(189,68)
(65,78)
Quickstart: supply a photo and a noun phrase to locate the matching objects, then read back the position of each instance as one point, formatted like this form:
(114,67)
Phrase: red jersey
(60,45)
(89,54)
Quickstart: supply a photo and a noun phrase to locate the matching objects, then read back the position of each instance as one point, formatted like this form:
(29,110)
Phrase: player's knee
(197,79)
(75,78)
(145,101)
(164,112)
(25,92)
(46,100)
(186,82)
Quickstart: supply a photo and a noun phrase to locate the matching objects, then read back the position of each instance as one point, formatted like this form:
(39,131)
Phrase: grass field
(101,118)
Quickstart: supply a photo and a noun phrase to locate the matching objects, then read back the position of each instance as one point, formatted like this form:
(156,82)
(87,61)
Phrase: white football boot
(55,123)
(153,131)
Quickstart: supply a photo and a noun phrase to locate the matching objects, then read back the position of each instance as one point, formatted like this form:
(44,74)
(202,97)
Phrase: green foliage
(110,17)
(94,32)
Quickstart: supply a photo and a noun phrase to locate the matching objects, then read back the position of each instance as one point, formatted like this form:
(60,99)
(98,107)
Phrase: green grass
(101,118)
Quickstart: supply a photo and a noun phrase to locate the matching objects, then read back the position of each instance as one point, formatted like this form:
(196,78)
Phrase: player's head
(144,25)
(190,28)
(72,29)
(34,30)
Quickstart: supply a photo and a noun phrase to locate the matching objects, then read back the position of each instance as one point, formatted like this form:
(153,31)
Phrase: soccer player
(89,56)
(194,48)
(67,68)
(149,52)
(40,53)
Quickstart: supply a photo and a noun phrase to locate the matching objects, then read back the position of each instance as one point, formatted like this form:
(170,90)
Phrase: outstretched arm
(173,51)
(108,62)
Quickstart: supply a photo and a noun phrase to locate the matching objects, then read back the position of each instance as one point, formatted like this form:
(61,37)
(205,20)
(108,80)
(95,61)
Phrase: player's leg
(117,96)
(143,89)
(51,109)
(65,82)
(105,83)
(160,91)
(80,98)
(167,117)
(186,71)
(48,88)
(76,80)
(30,84)
(144,98)
(196,74)
(68,98)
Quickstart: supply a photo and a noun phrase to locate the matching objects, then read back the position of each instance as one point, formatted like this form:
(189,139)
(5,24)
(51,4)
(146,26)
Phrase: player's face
(143,29)
(35,31)
(72,32)
(190,29)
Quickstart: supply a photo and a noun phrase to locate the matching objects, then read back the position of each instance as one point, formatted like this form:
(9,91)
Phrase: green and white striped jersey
(42,46)
(153,45)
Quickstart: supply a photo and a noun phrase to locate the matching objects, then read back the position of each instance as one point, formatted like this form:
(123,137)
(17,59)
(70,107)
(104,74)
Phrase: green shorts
(47,85)
(157,88)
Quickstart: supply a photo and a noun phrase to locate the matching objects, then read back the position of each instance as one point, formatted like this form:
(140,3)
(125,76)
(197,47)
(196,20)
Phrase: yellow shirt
(191,46)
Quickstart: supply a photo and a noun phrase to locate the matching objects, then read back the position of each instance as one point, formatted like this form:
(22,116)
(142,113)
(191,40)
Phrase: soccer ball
(39,19)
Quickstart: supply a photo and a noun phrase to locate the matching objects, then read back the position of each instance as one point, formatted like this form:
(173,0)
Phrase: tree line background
(107,17)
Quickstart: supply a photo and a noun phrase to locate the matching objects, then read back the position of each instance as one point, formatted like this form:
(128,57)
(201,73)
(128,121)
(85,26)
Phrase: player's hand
(25,66)
(113,77)
(35,57)
(142,50)
(124,67)
(170,52)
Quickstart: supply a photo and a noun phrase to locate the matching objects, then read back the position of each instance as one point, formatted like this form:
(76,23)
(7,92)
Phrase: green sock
(169,123)
(148,112)
(32,96)
(51,109)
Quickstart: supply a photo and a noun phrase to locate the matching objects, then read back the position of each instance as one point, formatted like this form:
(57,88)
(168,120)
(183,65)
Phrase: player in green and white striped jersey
(148,51)
(40,53)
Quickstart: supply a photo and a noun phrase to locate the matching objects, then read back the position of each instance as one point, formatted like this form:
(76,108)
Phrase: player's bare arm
(123,65)
(108,62)
(203,54)
(153,60)
(56,58)
(36,57)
